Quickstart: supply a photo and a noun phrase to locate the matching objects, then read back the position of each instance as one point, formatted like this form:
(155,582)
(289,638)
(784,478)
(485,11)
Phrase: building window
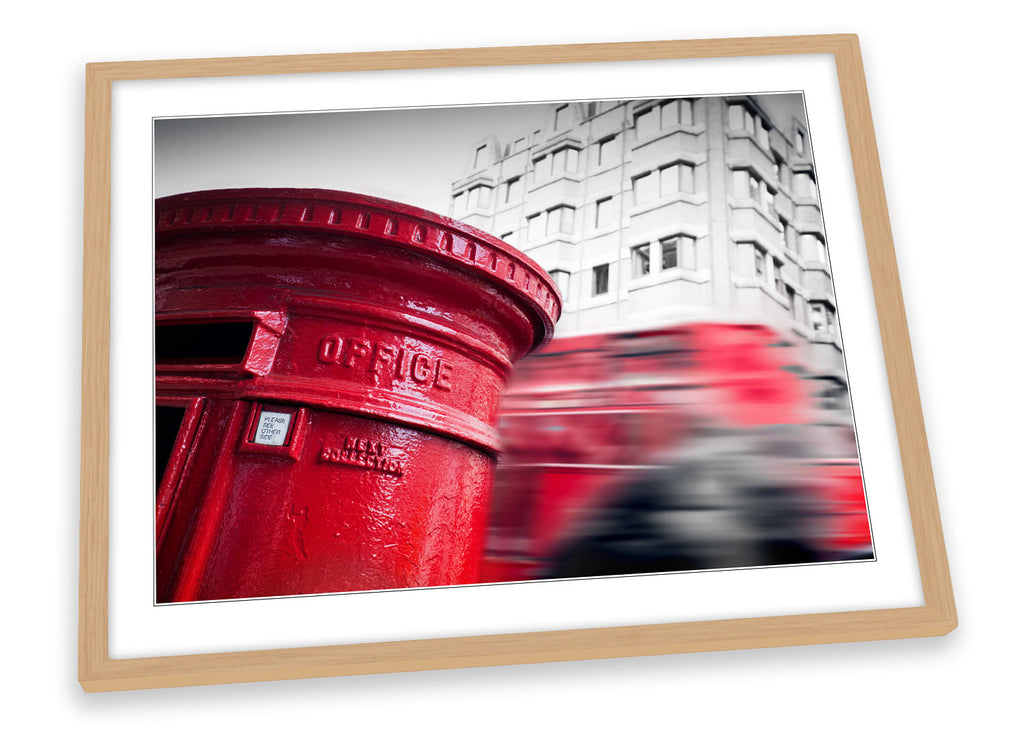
(564,160)
(647,123)
(641,259)
(551,222)
(608,150)
(762,133)
(519,145)
(685,111)
(746,185)
(676,177)
(561,279)
(604,213)
(760,264)
(688,252)
(662,116)
(480,157)
(645,188)
(479,197)
(804,185)
(665,181)
(541,167)
(823,318)
(669,114)
(801,143)
(561,117)
(600,285)
(459,203)
(817,316)
(754,187)
(813,247)
(782,172)
(679,250)
(780,284)
(560,220)
(535,225)
(512,190)
(787,236)
(741,119)
(669,253)
(791,300)
(670,179)
(509,237)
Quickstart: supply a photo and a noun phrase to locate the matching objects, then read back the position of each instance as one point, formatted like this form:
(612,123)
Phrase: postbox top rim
(522,280)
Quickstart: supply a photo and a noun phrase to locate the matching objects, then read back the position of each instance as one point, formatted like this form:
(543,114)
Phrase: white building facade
(653,212)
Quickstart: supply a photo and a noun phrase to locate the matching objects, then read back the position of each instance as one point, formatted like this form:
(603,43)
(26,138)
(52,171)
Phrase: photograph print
(494,344)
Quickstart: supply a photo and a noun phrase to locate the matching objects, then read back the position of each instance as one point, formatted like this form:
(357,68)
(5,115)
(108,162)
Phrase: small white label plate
(272,429)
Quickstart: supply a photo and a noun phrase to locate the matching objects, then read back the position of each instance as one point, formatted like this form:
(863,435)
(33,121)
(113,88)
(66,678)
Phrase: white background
(946,124)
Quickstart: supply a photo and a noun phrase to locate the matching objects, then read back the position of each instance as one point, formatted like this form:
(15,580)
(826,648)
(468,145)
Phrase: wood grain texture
(94,507)
(98,672)
(892,320)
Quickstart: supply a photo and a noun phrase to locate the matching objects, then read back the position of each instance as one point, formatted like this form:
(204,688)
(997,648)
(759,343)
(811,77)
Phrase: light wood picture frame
(98,671)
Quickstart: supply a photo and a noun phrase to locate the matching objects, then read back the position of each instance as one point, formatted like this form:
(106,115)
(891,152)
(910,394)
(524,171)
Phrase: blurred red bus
(594,424)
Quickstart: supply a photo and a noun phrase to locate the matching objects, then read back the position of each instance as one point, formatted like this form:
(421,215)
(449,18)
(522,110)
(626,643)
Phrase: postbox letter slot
(203,343)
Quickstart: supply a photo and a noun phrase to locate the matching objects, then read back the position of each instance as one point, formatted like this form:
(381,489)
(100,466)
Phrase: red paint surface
(387,334)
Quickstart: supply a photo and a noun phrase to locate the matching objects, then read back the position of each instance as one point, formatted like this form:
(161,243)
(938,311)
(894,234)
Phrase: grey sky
(411,156)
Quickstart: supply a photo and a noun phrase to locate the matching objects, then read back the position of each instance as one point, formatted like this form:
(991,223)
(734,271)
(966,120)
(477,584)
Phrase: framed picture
(311,285)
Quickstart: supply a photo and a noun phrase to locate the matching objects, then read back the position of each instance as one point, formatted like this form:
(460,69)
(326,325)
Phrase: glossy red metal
(329,369)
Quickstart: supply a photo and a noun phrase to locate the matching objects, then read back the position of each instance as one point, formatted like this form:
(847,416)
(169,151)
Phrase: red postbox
(328,374)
